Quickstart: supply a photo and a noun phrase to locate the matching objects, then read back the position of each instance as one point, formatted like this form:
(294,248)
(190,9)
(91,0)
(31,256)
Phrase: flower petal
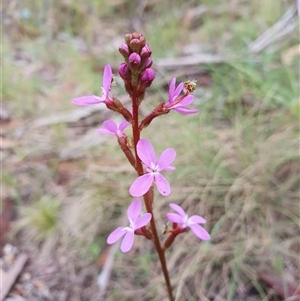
(162,184)
(175,218)
(104,131)
(134,210)
(115,235)
(127,241)
(200,232)
(186,101)
(110,125)
(143,220)
(146,152)
(87,100)
(184,111)
(178,209)
(170,168)
(107,77)
(141,185)
(172,89)
(178,90)
(166,158)
(196,219)
(123,125)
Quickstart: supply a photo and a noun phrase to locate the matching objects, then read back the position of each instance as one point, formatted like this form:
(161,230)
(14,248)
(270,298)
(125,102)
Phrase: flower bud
(128,38)
(124,71)
(148,62)
(124,50)
(134,60)
(146,52)
(136,35)
(147,77)
(134,45)
(142,41)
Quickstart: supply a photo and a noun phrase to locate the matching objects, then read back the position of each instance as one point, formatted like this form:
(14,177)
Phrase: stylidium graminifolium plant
(138,75)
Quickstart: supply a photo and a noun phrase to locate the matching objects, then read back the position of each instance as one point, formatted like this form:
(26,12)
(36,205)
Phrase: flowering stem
(148,197)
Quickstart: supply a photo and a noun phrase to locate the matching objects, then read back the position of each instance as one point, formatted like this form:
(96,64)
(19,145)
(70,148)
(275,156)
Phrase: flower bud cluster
(136,71)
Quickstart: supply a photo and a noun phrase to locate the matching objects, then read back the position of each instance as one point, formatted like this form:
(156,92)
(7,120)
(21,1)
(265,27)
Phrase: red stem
(148,197)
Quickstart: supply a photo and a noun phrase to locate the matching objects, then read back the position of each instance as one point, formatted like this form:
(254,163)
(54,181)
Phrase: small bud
(148,62)
(128,38)
(148,76)
(136,35)
(124,71)
(134,60)
(142,41)
(134,45)
(123,49)
(146,52)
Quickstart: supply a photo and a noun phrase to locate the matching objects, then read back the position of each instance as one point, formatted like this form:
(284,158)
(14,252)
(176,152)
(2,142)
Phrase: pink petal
(186,111)
(186,101)
(115,235)
(178,90)
(146,152)
(104,131)
(166,158)
(200,232)
(172,89)
(178,209)
(143,220)
(196,219)
(141,185)
(127,242)
(162,185)
(87,100)
(123,125)
(170,168)
(134,210)
(107,77)
(175,218)
(110,126)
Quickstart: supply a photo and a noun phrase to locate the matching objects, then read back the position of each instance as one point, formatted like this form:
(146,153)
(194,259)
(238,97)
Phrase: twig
(11,276)
(191,60)
(286,24)
(105,273)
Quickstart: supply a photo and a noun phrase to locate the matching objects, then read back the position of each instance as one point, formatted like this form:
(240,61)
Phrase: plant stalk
(148,197)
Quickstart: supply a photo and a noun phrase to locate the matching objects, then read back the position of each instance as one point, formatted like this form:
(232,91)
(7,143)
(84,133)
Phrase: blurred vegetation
(237,162)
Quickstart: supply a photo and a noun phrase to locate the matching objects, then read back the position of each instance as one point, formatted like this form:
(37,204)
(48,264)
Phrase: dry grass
(237,162)
(239,182)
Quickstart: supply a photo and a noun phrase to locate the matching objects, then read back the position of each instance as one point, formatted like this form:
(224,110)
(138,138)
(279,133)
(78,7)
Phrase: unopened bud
(148,76)
(136,35)
(124,71)
(134,45)
(123,49)
(134,60)
(148,62)
(146,52)
(128,38)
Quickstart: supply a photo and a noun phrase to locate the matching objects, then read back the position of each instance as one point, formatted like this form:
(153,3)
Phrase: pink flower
(92,99)
(153,167)
(111,128)
(183,221)
(173,96)
(135,222)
